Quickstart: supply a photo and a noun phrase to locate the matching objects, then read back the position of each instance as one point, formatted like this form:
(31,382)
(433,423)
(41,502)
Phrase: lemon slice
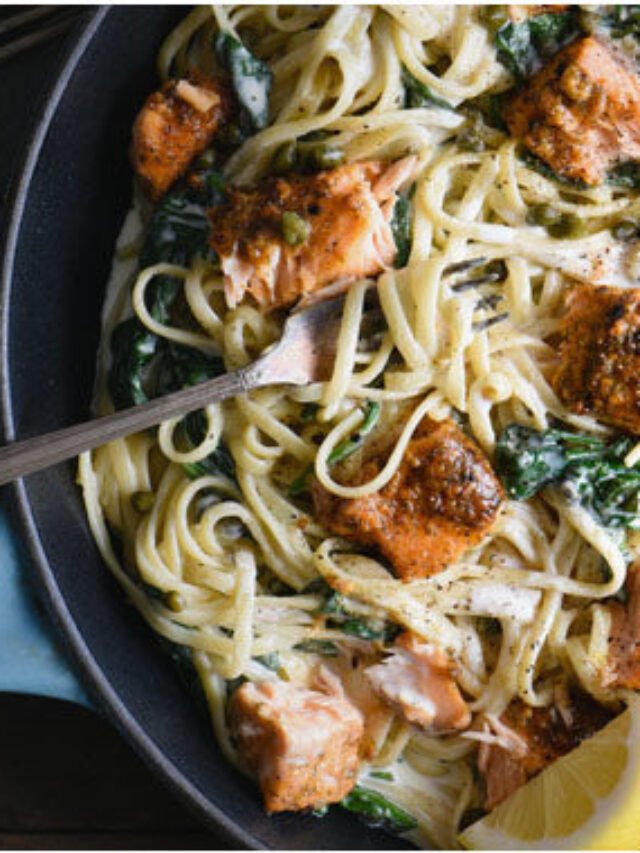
(589,799)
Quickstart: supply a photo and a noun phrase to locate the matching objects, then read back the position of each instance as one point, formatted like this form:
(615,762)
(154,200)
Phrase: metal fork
(35,25)
(305,353)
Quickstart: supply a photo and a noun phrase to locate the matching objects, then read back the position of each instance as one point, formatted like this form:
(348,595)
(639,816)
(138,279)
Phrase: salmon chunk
(537,737)
(303,745)
(417,681)
(175,124)
(623,661)
(599,369)
(581,112)
(442,501)
(290,237)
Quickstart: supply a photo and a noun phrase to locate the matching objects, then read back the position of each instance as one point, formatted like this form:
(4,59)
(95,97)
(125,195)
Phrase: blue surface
(30,660)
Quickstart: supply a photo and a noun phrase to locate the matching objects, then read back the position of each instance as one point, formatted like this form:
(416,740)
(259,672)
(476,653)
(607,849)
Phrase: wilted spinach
(336,608)
(523,47)
(418,94)
(587,469)
(378,810)
(251,79)
(620,20)
(625,175)
(178,230)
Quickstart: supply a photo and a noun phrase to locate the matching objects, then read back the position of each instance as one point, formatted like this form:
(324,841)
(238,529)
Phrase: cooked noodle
(216,551)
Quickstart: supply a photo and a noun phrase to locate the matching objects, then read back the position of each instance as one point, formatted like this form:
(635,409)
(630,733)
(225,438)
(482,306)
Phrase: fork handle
(33,454)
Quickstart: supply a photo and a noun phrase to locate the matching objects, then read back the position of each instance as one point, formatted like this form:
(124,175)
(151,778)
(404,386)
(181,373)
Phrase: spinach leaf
(528,460)
(180,367)
(523,47)
(620,20)
(588,470)
(177,231)
(179,227)
(625,175)
(340,452)
(336,607)
(377,810)
(182,659)
(132,350)
(533,162)
(418,94)
(349,446)
(401,222)
(250,76)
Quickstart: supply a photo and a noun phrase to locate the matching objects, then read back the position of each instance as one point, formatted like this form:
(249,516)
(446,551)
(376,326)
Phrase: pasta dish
(411,588)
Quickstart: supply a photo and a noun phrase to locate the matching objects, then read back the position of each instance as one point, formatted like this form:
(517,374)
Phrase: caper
(285,159)
(295,229)
(569,225)
(143,501)
(543,214)
(494,17)
(625,230)
(319,157)
(175,601)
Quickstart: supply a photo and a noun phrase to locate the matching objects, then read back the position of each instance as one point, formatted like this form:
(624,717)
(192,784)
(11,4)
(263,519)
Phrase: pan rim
(97,684)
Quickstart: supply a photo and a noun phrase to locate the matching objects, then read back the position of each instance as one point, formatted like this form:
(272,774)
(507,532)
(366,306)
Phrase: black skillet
(67,210)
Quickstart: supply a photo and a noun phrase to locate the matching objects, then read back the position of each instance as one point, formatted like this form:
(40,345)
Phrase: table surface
(67,779)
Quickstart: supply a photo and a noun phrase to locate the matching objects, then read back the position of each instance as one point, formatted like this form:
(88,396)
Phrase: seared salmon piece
(599,369)
(303,745)
(623,661)
(290,237)
(581,112)
(416,679)
(541,735)
(176,124)
(442,501)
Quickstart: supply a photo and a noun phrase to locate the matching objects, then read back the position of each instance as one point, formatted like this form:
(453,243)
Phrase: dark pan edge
(93,677)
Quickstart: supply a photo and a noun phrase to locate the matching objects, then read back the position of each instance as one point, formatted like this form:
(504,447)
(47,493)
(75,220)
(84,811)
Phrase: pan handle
(30,660)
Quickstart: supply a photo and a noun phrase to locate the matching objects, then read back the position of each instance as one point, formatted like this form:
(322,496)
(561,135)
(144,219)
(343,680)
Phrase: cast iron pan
(68,209)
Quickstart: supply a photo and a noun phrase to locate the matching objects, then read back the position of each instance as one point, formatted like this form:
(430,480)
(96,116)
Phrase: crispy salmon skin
(343,219)
(599,368)
(442,500)
(581,112)
(176,124)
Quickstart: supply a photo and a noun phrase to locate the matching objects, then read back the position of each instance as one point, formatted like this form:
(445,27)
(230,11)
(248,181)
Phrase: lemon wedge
(589,799)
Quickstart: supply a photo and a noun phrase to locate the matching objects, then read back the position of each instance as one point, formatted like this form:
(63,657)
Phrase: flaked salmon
(302,745)
(581,112)
(173,127)
(442,501)
(290,237)
(417,680)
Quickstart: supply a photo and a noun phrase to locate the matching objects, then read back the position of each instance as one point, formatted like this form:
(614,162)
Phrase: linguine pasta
(229,566)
